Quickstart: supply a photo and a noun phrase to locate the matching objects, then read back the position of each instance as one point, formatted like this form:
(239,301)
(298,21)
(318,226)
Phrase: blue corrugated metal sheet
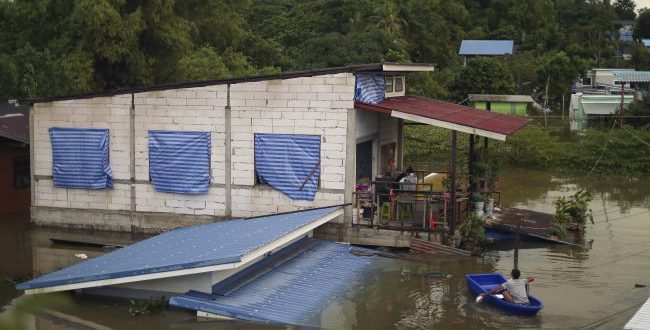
(179,162)
(184,248)
(486,47)
(295,292)
(289,163)
(631,76)
(369,88)
(80,158)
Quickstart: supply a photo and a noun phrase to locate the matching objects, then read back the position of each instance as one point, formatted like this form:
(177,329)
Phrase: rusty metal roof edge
(385,109)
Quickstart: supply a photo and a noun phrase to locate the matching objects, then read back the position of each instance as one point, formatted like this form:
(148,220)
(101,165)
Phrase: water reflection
(578,286)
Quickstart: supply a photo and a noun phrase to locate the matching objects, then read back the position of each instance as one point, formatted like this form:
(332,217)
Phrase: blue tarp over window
(179,162)
(289,163)
(369,88)
(80,158)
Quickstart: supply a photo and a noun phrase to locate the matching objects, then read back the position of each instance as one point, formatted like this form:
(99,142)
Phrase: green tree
(642,26)
(625,9)
(483,75)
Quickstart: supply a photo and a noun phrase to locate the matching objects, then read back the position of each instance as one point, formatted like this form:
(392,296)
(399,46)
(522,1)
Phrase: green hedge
(627,152)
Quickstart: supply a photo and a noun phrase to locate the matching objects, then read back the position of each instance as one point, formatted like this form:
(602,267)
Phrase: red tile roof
(15,127)
(464,118)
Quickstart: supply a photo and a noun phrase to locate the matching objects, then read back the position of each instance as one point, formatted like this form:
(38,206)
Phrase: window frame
(392,81)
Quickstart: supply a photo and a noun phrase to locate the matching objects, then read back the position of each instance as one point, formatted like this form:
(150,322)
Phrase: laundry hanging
(80,158)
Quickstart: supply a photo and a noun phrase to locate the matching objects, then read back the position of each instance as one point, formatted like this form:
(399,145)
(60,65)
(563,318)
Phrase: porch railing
(382,204)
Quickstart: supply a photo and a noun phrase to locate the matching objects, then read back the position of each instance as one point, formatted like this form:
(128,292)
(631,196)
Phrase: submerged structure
(266,269)
(153,158)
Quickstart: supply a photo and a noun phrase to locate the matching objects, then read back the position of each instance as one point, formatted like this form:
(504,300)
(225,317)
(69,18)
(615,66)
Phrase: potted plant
(571,213)
(472,232)
(477,205)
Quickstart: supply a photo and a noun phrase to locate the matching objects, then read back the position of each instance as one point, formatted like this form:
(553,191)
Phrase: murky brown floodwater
(580,288)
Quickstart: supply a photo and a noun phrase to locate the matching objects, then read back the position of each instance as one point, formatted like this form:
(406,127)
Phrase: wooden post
(516,261)
(470,165)
(452,177)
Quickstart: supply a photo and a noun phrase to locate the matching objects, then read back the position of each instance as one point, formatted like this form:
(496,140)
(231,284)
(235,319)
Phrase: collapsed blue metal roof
(486,47)
(295,292)
(185,248)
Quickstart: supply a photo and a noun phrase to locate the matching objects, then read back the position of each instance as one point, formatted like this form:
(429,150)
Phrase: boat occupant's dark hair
(515,273)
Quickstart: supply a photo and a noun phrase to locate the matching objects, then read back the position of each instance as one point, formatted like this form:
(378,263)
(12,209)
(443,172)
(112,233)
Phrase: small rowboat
(482,283)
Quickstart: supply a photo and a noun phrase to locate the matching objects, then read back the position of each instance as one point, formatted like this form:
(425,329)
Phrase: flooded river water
(582,288)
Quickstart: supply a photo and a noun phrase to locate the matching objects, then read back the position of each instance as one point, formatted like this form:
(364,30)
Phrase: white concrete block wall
(100,112)
(308,105)
(200,109)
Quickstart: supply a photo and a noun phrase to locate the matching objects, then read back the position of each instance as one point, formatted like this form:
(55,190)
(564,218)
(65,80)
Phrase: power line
(609,138)
(636,137)
(624,217)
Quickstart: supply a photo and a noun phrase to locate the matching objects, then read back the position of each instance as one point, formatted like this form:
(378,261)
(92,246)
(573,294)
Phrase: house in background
(602,93)
(14,159)
(516,105)
(473,48)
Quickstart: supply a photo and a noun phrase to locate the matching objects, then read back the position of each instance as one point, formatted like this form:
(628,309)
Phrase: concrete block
(320,104)
(195,204)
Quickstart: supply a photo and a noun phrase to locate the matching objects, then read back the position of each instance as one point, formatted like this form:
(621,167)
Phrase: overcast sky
(642,3)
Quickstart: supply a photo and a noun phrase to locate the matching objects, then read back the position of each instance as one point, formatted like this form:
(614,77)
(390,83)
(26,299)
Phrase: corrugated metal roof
(641,319)
(501,98)
(295,292)
(631,76)
(602,104)
(15,126)
(194,247)
(449,115)
(486,47)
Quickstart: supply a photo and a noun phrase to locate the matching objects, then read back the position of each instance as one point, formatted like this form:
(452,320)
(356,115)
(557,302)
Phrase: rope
(624,217)
(609,138)
(636,137)
(605,319)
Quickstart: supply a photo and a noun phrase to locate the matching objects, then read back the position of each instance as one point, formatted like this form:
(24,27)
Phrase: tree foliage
(52,47)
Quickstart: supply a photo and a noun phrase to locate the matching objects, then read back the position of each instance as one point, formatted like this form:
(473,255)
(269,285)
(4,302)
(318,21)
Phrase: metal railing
(381,204)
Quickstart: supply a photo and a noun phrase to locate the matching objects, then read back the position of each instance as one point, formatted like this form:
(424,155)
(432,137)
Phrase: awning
(631,76)
(449,115)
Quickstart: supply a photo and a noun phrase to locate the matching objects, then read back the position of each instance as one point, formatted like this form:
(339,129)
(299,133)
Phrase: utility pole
(620,112)
(548,80)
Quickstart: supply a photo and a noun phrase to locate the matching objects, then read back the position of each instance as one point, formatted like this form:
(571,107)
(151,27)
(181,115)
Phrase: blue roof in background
(646,42)
(486,47)
(184,248)
(295,292)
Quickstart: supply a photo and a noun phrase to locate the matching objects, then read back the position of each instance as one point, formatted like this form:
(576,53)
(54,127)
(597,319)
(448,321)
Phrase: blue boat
(482,283)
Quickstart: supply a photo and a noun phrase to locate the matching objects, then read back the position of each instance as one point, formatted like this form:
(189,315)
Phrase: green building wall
(506,108)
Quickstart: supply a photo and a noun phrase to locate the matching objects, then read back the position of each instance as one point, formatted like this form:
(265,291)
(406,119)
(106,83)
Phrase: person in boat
(515,290)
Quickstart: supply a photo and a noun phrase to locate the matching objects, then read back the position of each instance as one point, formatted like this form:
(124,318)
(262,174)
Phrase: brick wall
(100,112)
(309,105)
(190,109)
